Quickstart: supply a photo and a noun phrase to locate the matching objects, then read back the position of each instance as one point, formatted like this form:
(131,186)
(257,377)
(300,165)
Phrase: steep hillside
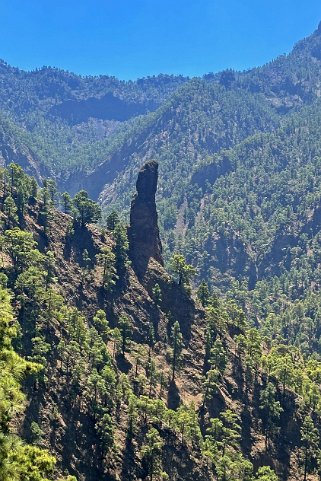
(211,372)
(290,80)
(260,223)
(199,120)
(249,214)
(206,116)
(14,147)
(270,192)
(202,119)
(99,129)
(67,119)
(138,378)
(60,94)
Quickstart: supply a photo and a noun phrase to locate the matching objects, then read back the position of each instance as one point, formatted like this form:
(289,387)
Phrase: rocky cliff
(143,233)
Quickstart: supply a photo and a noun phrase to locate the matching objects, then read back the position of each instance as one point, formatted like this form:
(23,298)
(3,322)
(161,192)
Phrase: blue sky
(135,38)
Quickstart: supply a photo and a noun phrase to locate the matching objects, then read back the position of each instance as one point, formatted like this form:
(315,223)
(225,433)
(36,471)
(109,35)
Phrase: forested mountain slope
(239,155)
(290,80)
(216,112)
(260,224)
(85,128)
(199,120)
(66,119)
(57,93)
(129,374)
(267,202)
(235,213)
(187,344)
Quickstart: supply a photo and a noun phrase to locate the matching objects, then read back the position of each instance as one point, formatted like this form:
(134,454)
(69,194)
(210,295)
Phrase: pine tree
(310,444)
(112,221)
(177,346)
(107,259)
(125,328)
(184,271)
(86,210)
(66,203)
(203,293)
(151,452)
(271,409)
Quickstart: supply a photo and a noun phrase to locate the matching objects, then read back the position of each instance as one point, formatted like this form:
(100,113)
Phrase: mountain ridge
(83,138)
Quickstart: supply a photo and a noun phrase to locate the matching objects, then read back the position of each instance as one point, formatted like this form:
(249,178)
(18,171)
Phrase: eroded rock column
(144,240)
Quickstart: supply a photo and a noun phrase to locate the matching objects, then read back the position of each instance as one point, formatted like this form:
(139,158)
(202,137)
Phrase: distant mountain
(214,138)
(52,90)
(67,120)
(74,123)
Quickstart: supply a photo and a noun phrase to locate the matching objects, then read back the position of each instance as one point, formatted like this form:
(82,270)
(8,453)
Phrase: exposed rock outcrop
(144,240)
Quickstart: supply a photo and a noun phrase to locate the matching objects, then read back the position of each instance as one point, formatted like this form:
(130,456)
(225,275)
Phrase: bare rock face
(144,241)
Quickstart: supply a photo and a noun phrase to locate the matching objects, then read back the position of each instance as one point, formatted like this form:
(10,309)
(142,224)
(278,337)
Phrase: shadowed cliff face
(107,107)
(143,232)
